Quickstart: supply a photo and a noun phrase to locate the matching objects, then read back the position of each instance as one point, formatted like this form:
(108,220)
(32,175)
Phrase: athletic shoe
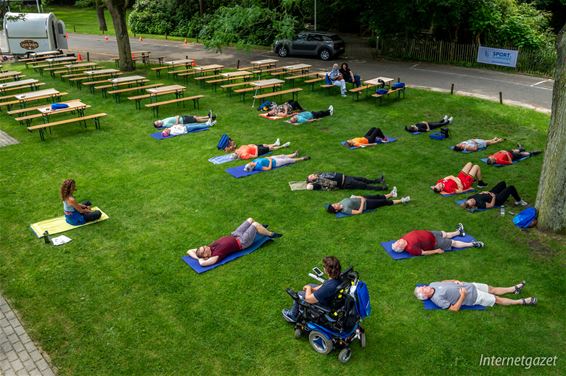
(393,192)
(482,184)
(445,117)
(210,122)
(522,203)
(288,316)
(450,119)
(286,144)
(478,244)
(405,199)
(306,158)
(460,229)
(210,114)
(344,95)
(275,235)
(277,142)
(331,109)
(381,179)
(534,152)
(520,147)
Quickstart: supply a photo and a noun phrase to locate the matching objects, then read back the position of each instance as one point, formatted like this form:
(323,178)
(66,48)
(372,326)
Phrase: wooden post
(452,89)
(500,97)
(87,56)
(238,64)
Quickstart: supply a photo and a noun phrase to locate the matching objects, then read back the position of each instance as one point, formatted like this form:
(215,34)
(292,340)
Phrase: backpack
(398,85)
(363,304)
(381,91)
(223,142)
(526,218)
(59,106)
(265,106)
(327,79)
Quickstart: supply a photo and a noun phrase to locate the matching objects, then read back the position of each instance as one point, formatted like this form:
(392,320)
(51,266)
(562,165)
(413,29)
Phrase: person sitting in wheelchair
(318,294)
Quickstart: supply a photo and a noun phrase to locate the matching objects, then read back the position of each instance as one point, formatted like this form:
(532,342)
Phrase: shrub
(152,17)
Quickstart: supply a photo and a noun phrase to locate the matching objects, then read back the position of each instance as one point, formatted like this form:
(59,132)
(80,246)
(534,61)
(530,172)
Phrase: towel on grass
(484,160)
(378,141)
(388,246)
(194,264)
(223,158)
(159,136)
(429,305)
(58,225)
(298,185)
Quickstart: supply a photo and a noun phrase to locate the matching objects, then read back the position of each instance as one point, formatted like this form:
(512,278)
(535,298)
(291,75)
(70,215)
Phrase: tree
(117,9)
(551,198)
(100,15)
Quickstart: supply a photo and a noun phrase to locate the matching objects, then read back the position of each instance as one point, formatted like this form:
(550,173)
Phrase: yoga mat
(58,225)
(484,160)
(223,158)
(437,136)
(405,255)
(304,122)
(159,136)
(460,202)
(344,215)
(238,171)
(389,140)
(258,242)
(298,185)
(465,151)
(429,305)
(469,190)
(265,116)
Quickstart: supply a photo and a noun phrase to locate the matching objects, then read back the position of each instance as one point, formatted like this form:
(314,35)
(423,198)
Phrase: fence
(529,61)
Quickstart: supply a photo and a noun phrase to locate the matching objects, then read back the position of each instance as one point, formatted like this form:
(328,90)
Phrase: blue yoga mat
(465,151)
(239,172)
(258,242)
(437,136)
(460,202)
(159,136)
(222,159)
(344,215)
(429,305)
(484,160)
(390,140)
(405,255)
(471,190)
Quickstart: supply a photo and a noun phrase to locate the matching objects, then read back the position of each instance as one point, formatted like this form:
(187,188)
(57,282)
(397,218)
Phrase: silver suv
(311,43)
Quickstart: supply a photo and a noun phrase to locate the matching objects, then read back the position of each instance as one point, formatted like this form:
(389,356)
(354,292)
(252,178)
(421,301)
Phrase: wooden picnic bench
(231,86)
(32,86)
(118,92)
(27,119)
(42,127)
(278,93)
(312,81)
(33,108)
(91,84)
(244,91)
(155,105)
(104,88)
(22,102)
(391,91)
(358,90)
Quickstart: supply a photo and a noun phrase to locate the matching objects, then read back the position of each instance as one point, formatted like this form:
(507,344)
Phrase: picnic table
(208,68)
(12,84)
(52,60)
(375,81)
(121,80)
(22,99)
(15,75)
(368,85)
(34,94)
(46,53)
(168,89)
(144,55)
(303,68)
(235,74)
(44,112)
(264,62)
(266,83)
(98,72)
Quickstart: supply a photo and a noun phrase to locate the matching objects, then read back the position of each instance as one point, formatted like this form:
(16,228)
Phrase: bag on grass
(223,142)
(526,218)
(265,106)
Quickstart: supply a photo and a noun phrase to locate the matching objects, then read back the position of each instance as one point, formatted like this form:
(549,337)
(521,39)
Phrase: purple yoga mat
(405,255)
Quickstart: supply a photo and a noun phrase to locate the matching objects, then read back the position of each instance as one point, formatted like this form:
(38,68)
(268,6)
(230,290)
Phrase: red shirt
(419,241)
(224,246)
(247,151)
(502,157)
(450,185)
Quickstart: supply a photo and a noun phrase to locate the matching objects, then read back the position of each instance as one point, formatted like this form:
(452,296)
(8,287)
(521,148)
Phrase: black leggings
(358,182)
(295,105)
(376,201)
(502,193)
(320,114)
(91,216)
(373,133)
(432,125)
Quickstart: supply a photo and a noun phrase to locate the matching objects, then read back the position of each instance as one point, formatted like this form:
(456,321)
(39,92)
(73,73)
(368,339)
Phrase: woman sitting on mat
(183,119)
(461,183)
(358,204)
(424,126)
(75,213)
(284,109)
(495,197)
(336,180)
(476,144)
(238,240)
(507,157)
(309,116)
(269,163)
(371,137)
(253,150)
(179,129)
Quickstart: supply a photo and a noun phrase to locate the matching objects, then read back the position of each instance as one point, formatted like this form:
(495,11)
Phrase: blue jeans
(196,126)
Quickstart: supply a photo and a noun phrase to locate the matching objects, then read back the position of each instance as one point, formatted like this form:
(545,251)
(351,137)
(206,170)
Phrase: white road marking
(540,82)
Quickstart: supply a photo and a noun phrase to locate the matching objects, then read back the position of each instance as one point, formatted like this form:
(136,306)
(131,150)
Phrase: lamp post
(314,15)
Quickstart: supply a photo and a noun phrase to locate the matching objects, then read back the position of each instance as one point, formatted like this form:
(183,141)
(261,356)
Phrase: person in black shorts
(184,119)
(424,126)
(337,180)
(495,197)
(253,150)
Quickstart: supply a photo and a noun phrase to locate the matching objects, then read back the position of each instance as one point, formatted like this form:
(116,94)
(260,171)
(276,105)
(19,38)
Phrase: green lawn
(118,300)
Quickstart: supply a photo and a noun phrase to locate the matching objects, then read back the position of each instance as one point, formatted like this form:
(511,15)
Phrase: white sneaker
(286,144)
(277,142)
(210,114)
(445,117)
(405,199)
(522,203)
(450,120)
(331,109)
(210,122)
(393,192)
(344,95)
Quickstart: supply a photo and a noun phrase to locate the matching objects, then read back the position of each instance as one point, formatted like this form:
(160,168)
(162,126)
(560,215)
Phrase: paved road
(534,92)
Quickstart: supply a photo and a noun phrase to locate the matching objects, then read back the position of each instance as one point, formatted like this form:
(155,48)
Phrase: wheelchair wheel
(320,343)
(298,333)
(344,355)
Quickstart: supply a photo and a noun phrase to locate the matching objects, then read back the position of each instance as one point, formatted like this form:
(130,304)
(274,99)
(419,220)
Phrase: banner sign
(497,56)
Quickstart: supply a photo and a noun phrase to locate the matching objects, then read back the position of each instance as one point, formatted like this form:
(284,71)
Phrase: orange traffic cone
(194,63)
(79,57)
(106,38)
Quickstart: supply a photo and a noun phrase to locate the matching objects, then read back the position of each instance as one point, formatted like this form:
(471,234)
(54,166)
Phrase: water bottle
(502,210)
(46,237)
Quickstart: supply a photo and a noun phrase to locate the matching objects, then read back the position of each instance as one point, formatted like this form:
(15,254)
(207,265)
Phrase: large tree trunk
(100,15)
(201,7)
(117,9)
(551,198)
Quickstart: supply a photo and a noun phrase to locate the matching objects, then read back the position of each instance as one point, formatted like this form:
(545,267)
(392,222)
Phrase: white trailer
(33,32)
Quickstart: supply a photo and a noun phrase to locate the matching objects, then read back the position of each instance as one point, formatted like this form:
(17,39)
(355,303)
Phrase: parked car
(311,43)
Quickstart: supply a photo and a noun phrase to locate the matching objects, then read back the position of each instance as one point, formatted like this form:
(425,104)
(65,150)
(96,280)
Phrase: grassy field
(118,300)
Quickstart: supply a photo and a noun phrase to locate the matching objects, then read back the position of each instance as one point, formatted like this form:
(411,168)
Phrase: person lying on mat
(238,240)
(462,182)
(372,136)
(253,150)
(75,213)
(269,163)
(358,204)
(284,109)
(507,157)
(184,119)
(178,129)
(496,196)
(453,294)
(424,126)
(475,144)
(427,243)
(335,180)
(308,116)
(318,294)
